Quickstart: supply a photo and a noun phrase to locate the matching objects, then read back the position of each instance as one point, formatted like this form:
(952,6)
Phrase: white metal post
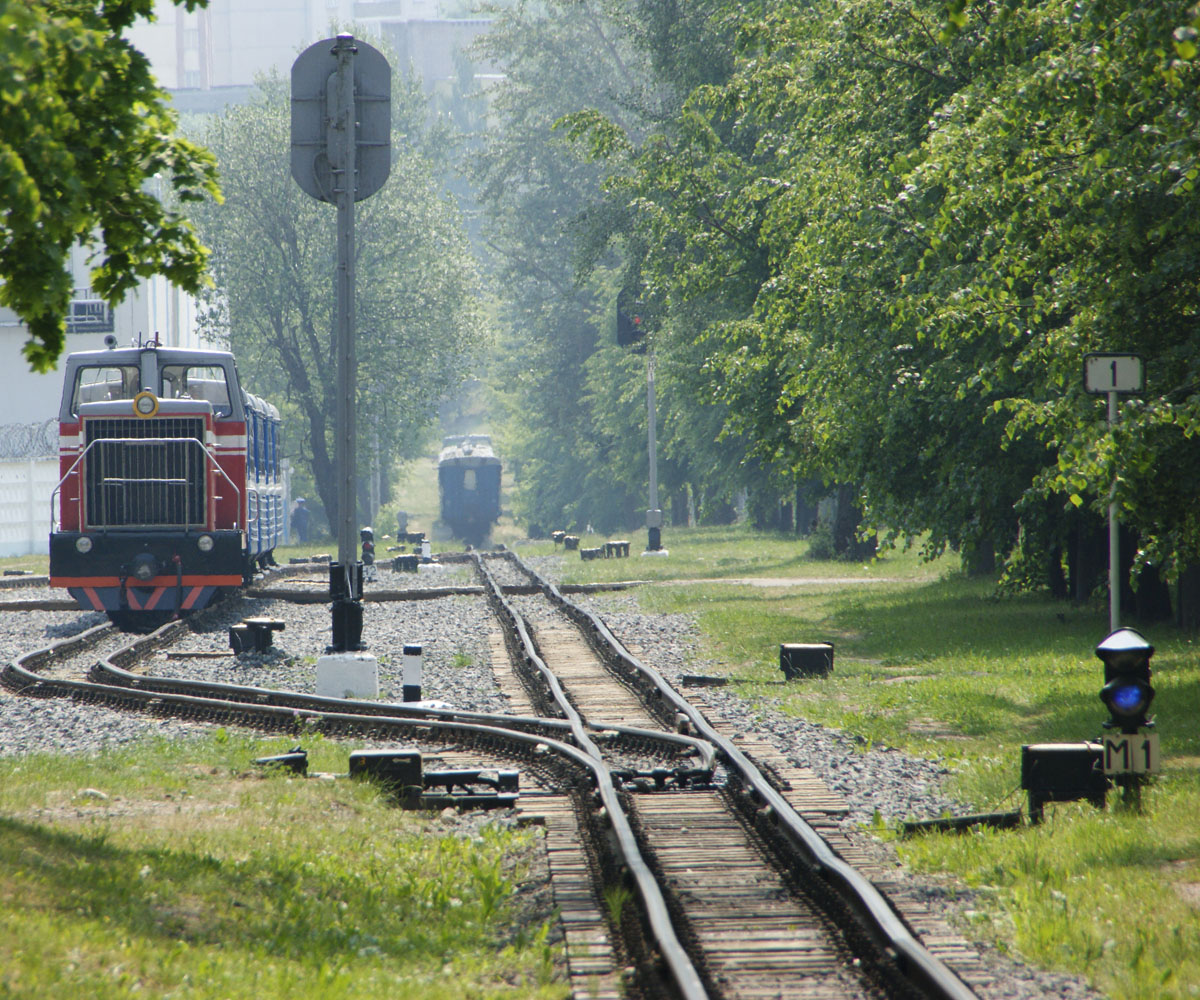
(1114,552)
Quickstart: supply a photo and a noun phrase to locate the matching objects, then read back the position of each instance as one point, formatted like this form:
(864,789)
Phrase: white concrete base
(348,675)
(656,552)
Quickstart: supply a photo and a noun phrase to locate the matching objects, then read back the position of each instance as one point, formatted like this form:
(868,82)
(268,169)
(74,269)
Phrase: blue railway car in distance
(469,483)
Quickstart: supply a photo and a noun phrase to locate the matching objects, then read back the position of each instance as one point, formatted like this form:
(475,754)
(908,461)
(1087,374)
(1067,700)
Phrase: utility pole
(654,514)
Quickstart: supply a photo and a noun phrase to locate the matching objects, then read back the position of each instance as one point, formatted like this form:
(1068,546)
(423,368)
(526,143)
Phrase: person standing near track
(300,519)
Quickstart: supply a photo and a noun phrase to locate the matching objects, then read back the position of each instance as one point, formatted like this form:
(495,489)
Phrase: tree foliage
(85,131)
(876,238)
(418,314)
(565,243)
(920,217)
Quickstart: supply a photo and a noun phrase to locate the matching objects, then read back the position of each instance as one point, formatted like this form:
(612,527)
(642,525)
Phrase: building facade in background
(211,56)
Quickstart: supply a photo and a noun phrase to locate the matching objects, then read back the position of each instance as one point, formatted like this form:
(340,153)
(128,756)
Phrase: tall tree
(536,194)
(85,130)
(565,246)
(919,223)
(419,322)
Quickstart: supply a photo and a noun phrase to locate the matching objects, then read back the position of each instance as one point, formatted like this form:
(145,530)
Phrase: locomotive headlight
(145,404)
(205,543)
(83,545)
(145,567)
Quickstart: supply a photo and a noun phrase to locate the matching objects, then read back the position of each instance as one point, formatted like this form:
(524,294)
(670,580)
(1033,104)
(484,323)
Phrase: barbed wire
(29,440)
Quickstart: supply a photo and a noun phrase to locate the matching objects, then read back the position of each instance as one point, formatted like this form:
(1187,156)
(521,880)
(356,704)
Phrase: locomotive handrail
(72,471)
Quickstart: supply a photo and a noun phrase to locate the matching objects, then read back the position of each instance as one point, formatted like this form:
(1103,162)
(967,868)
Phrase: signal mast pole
(344,177)
(341,153)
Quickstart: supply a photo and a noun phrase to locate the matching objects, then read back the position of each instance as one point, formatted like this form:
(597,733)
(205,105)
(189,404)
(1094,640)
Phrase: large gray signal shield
(314,100)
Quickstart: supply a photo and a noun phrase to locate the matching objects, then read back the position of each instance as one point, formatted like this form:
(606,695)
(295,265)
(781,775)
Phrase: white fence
(26,486)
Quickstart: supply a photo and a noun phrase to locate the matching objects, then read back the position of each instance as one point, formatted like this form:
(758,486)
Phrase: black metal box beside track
(805,659)
(395,769)
(1063,772)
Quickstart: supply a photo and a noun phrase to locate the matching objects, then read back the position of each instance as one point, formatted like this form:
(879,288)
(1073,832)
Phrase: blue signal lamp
(1127,693)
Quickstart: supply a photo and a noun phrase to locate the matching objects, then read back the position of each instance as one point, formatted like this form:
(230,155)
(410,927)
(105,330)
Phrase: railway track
(683,866)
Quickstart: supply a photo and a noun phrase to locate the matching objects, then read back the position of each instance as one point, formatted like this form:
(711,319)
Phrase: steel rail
(106,672)
(684,977)
(277,717)
(19,675)
(874,913)
(655,911)
(110,673)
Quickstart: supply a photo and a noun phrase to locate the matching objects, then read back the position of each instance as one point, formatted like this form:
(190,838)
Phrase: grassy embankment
(935,663)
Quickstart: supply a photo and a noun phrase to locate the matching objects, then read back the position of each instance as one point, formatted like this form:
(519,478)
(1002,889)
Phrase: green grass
(175,870)
(936,664)
(718,552)
(32,564)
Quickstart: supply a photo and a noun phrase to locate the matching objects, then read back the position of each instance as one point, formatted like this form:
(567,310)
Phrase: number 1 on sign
(1131,753)
(1104,373)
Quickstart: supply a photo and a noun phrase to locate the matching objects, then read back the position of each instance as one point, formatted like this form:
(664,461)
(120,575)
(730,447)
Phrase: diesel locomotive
(170,488)
(469,483)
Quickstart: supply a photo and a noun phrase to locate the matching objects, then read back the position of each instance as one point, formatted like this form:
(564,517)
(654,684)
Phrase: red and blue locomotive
(170,485)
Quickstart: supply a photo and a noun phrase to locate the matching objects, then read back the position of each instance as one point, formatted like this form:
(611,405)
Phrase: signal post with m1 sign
(1130,754)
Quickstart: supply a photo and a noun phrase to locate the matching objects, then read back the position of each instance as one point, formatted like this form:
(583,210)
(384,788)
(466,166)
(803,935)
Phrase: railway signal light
(368,546)
(1127,692)
(631,319)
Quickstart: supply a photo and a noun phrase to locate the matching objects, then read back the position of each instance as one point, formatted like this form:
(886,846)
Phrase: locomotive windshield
(101,382)
(94,383)
(197,382)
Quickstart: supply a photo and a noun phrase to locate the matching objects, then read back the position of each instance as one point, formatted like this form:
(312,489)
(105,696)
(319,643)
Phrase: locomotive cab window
(469,479)
(206,382)
(96,383)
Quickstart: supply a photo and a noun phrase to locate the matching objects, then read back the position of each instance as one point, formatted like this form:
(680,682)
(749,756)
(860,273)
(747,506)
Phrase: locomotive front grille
(145,473)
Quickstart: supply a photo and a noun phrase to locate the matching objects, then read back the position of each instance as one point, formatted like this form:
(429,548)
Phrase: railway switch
(254,635)
(1127,692)
(295,760)
(500,781)
(394,769)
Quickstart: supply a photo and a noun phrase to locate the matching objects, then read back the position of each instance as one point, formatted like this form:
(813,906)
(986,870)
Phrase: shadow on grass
(276,904)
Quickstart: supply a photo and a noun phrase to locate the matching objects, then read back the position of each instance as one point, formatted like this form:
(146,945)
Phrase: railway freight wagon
(469,483)
(170,486)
